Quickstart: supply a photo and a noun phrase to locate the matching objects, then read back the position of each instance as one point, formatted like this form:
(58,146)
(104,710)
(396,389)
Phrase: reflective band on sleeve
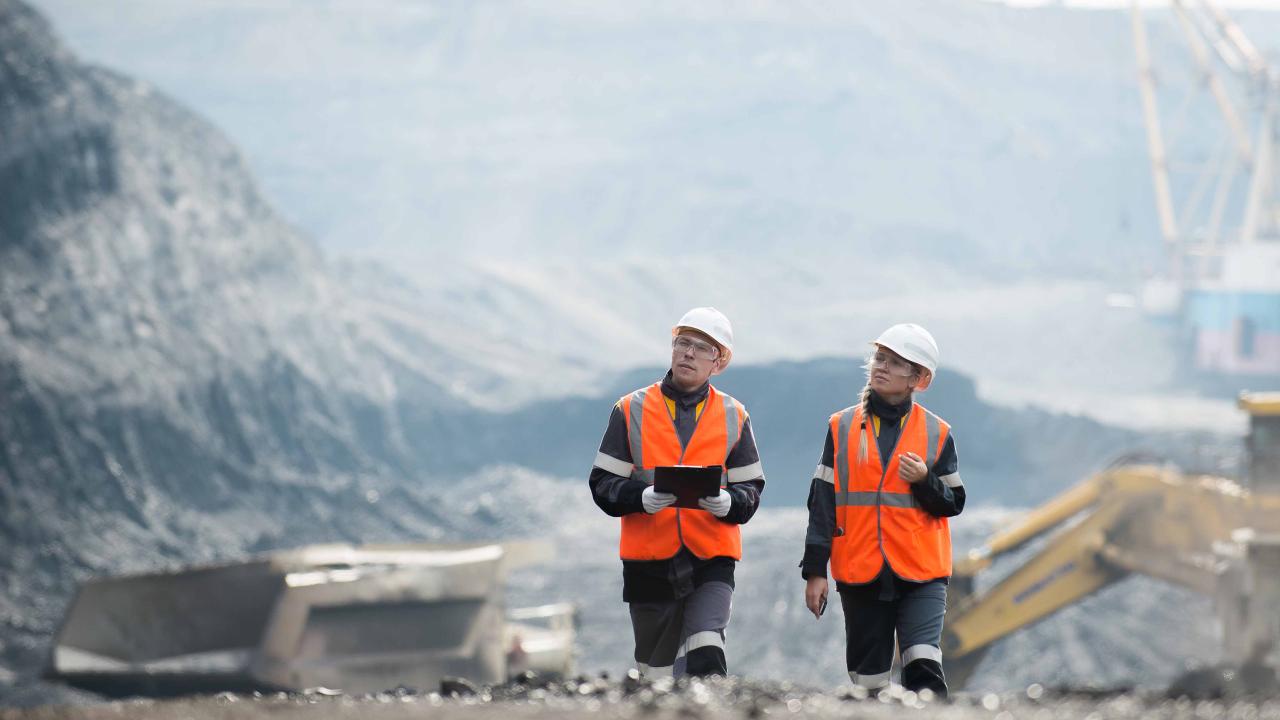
(921,652)
(952,480)
(611,464)
(868,499)
(635,436)
(706,638)
(746,472)
(931,431)
(870,682)
(824,473)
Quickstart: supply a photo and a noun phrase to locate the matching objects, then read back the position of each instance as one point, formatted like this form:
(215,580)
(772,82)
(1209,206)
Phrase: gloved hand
(654,501)
(718,505)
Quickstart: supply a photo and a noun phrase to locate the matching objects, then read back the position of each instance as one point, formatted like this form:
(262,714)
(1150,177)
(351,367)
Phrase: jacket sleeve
(822,515)
(941,493)
(746,476)
(612,487)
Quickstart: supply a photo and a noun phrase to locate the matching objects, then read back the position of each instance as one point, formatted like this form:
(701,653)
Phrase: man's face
(694,359)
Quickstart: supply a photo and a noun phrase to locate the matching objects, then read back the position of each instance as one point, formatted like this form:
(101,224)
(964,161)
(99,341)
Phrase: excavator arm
(1129,519)
(1069,568)
(1033,525)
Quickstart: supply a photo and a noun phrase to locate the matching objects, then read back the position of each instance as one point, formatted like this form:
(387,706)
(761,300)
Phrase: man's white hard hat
(714,324)
(915,344)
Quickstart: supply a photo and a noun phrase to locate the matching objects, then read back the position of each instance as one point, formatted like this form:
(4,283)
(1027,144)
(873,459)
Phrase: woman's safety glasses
(701,350)
(894,364)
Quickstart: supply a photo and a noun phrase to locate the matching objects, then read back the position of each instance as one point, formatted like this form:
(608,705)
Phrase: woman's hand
(815,595)
(911,468)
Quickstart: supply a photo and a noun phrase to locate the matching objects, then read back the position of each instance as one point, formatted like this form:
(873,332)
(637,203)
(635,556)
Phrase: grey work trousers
(914,615)
(685,636)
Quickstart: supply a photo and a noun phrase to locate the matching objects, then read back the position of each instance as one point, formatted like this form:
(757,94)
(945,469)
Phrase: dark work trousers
(873,613)
(685,636)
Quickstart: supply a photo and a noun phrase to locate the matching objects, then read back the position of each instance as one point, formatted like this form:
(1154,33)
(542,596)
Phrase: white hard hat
(714,324)
(915,344)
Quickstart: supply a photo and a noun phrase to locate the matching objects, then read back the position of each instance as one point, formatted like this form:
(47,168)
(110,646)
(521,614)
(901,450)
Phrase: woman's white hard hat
(713,324)
(915,344)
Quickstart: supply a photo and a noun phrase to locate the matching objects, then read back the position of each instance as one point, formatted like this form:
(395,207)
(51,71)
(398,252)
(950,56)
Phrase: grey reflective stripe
(931,430)
(898,500)
(654,672)
(746,472)
(921,652)
(870,682)
(644,475)
(611,464)
(842,458)
(634,434)
(731,431)
(857,499)
(706,638)
(952,480)
(869,498)
(824,473)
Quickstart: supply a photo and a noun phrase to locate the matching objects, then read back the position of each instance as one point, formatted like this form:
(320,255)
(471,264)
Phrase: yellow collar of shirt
(875,422)
(671,408)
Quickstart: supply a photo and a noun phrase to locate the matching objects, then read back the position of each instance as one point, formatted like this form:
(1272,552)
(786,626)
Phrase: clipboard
(688,482)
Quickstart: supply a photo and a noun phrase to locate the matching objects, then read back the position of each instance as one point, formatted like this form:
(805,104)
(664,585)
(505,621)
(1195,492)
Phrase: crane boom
(1155,136)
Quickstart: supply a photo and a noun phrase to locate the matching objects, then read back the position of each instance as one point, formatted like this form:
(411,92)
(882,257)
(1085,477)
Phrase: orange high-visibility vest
(651,432)
(877,517)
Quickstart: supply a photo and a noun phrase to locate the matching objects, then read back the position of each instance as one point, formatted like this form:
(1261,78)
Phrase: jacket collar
(684,399)
(882,409)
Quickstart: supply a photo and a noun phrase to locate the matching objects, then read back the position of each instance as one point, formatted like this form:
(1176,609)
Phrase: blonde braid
(866,417)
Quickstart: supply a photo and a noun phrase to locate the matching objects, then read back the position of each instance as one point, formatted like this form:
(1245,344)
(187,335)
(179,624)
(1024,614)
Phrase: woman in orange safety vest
(878,508)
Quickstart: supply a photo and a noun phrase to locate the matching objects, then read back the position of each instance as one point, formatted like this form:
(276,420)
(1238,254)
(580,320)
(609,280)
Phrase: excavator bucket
(355,619)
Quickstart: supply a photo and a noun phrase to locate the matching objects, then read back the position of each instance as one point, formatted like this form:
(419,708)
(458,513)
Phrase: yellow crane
(1210,534)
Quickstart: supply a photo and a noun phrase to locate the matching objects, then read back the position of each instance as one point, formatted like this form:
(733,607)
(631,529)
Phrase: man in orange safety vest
(678,563)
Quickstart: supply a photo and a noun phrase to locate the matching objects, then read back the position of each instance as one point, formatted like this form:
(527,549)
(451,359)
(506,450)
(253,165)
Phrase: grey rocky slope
(181,375)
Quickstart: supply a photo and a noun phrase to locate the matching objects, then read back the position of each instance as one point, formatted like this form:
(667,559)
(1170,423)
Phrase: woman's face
(890,374)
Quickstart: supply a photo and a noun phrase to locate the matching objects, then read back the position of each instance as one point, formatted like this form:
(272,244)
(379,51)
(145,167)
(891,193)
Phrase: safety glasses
(894,364)
(701,349)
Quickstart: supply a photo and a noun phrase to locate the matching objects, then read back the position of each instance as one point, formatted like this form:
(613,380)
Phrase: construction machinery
(1210,534)
(354,619)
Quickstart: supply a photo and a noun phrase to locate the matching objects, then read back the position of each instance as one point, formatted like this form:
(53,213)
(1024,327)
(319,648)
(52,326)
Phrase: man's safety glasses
(701,350)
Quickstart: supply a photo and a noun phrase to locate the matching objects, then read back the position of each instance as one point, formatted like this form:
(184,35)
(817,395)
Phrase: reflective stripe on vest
(651,433)
(879,516)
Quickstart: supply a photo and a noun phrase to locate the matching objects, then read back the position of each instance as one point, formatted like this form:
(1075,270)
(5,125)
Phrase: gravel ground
(712,699)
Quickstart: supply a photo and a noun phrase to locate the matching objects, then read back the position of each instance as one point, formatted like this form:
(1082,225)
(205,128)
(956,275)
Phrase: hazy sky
(391,123)
(532,127)
(1254,4)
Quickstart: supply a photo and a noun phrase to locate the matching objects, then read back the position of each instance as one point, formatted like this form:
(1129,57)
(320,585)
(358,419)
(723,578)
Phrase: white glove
(718,505)
(654,501)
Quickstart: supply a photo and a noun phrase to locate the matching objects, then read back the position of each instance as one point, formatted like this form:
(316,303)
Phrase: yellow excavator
(1210,534)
